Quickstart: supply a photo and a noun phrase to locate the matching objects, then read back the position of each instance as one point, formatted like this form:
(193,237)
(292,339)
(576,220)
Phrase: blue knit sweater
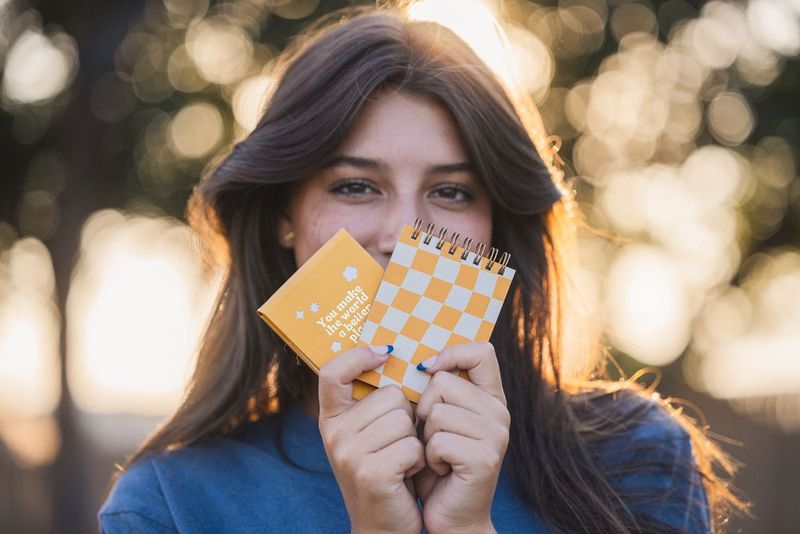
(244,483)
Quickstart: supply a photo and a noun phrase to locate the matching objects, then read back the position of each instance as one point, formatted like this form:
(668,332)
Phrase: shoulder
(633,428)
(159,485)
(631,416)
(646,450)
(136,497)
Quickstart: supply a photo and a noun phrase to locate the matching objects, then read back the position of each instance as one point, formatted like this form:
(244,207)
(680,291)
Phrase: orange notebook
(321,309)
(435,293)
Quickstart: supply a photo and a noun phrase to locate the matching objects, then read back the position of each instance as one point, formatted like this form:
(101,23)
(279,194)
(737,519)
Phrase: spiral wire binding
(466,244)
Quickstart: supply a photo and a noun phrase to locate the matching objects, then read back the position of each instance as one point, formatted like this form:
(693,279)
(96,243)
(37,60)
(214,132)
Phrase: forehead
(401,127)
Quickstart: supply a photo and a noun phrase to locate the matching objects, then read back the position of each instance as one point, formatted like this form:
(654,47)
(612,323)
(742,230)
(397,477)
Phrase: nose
(399,212)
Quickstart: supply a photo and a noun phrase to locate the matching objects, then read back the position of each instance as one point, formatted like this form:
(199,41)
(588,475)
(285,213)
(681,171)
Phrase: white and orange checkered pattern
(429,299)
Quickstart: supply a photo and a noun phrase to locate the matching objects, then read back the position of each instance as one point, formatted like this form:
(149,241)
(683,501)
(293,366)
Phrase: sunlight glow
(646,306)
(662,133)
(29,332)
(30,368)
(514,53)
(747,343)
(136,306)
(249,100)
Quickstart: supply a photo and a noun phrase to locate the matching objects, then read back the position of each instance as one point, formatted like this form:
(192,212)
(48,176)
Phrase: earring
(288,236)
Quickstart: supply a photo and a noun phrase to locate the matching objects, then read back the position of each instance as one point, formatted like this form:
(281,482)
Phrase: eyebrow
(378,165)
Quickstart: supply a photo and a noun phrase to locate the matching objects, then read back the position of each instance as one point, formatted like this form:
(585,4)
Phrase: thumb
(336,377)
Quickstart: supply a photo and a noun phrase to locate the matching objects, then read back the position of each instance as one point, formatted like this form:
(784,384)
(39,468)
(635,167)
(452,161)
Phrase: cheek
(476,224)
(316,220)
(480,230)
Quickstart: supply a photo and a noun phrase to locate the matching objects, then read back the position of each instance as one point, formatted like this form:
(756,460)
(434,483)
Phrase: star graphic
(314,307)
(299,315)
(336,346)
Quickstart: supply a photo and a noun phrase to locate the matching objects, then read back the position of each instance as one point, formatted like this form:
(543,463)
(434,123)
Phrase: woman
(375,121)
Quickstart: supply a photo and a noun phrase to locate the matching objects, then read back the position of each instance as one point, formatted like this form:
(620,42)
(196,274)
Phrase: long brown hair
(244,371)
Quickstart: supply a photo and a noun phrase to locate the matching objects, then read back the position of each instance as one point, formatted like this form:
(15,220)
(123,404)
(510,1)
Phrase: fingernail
(427,364)
(381,350)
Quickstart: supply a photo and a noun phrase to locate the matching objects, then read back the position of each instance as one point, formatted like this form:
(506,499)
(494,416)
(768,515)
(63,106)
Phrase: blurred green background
(679,123)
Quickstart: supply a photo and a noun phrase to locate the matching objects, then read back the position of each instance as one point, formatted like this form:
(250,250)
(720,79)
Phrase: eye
(352,187)
(455,193)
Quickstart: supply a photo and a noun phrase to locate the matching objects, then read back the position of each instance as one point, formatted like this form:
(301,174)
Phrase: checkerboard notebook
(434,293)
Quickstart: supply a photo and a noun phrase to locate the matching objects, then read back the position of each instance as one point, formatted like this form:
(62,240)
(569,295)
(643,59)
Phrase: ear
(285,229)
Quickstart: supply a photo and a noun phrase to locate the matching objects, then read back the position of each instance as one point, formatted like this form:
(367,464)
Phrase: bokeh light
(747,343)
(637,126)
(111,99)
(647,305)
(38,67)
(776,24)
(632,17)
(689,210)
(29,362)
(293,9)
(675,120)
(249,100)
(222,52)
(183,11)
(138,301)
(195,130)
(30,327)
(730,118)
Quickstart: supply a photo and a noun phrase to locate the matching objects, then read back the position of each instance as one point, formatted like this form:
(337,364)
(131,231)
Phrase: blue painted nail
(381,351)
(427,364)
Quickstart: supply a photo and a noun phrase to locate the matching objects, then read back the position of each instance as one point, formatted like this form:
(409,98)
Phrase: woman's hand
(372,445)
(466,434)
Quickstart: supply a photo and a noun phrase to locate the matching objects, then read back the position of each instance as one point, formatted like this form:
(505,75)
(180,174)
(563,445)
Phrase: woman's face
(403,159)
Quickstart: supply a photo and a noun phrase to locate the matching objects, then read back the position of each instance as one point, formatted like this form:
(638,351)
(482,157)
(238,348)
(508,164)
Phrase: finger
(445,451)
(478,359)
(448,388)
(424,481)
(378,403)
(336,377)
(409,482)
(387,429)
(454,419)
(405,456)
